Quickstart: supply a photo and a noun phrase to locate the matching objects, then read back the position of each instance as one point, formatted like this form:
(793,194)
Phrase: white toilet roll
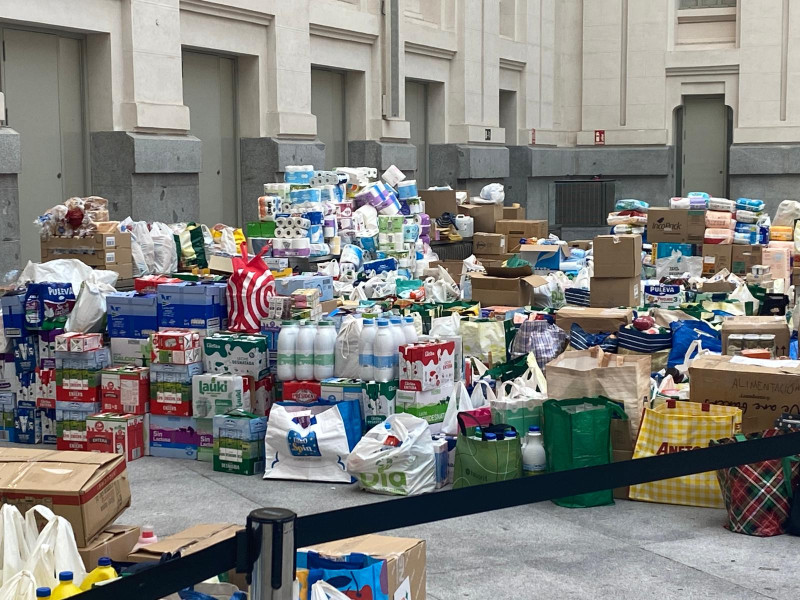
(300,243)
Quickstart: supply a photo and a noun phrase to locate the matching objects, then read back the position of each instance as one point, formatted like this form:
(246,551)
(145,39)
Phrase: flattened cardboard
(612,293)
(594,320)
(488,243)
(483,215)
(774,325)
(675,225)
(716,257)
(189,541)
(617,256)
(115,542)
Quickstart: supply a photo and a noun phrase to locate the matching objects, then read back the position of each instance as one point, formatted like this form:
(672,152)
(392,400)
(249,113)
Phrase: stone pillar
(470,167)
(382,155)
(9,199)
(769,172)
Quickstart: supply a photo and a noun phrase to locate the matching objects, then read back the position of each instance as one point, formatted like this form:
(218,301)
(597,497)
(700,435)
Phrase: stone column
(9,199)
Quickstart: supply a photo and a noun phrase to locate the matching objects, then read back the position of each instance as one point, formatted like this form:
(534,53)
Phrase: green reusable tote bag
(577,433)
(479,462)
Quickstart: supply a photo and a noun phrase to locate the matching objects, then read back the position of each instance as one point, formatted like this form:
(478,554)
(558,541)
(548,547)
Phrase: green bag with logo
(480,461)
(577,433)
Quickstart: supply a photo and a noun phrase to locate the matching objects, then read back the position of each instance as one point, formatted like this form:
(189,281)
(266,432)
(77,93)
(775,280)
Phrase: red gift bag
(250,287)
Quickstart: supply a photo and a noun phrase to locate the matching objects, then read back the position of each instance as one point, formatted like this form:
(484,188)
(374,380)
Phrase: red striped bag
(249,288)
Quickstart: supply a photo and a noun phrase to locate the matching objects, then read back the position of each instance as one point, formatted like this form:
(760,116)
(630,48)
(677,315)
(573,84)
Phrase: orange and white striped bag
(250,287)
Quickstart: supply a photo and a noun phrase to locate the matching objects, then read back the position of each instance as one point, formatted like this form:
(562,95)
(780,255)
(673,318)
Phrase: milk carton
(239,443)
(27,422)
(430,405)
(131,351)
(125,390)
(215,394)
(426,366)
(71,420)
(377,402)
(115,433)
(173,437)
(49,426)
(236,354)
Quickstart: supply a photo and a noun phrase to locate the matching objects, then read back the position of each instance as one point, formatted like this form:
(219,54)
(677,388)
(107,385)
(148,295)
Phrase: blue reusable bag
(632,339)
(351,415)
(355,575)
(579,339)
(685,332)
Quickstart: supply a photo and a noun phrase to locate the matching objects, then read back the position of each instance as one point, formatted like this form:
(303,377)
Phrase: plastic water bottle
(365,349)
(103,572)
(65,587)
(384,352)
(534,458)
(410,331)
(304,352)
(324,346)
(287,340)
(399,340)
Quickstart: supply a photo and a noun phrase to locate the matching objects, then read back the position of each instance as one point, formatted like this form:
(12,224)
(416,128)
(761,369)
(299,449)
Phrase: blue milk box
(47,417)
(132,315)
(26,354)
(285,286)
(189,304)
(13,315)
(8,428)
(28,422)
(174,437)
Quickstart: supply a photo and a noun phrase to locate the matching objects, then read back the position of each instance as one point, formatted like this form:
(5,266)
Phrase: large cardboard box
(438,202)
(515,229)
(617,256)
(88,489)
(493,260)
(507,291)
(484,215)
(488,243)
(405,559)
(544,257)
(743,257)
(774,325)
(762,389)
(675,225)
(515,212)
(110,251)
(594,320)
(716,257)
(611,293)
(115,542)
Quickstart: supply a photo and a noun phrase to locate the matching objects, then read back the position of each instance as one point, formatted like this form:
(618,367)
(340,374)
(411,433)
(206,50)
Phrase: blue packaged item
(174,437)
(750,204)
(132,315)
(305,195)
(383,265)
(746,228)
(356,575)
(191,305)
(631,204)
(685,332)
(47,417)
(285,286)
(665,249)
(175,373)
(91,361)
(315,234)
(298,175)
(47,305)
(13,315)
(26,354)
(28,423)
(583,340)
(407,189)
(698,195)
(315,217)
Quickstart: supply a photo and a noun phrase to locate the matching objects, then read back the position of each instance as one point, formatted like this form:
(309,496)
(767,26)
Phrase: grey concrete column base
(148,177)
(263,160)
(10,163)
(467,167)
(382,155)
(769,172)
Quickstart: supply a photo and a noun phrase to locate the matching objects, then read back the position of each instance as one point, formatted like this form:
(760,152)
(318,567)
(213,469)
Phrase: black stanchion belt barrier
(173,575)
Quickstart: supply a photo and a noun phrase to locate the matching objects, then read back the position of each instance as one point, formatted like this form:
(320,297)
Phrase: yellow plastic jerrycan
(103,572)
(65,587)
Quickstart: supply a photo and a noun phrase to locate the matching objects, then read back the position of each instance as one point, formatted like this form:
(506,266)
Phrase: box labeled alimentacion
(426,366)
(125,390)
(239,443)
(216,394)
(116,433)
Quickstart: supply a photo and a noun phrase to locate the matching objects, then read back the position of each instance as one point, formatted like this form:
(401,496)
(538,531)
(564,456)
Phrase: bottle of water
(534,458)
(365,349)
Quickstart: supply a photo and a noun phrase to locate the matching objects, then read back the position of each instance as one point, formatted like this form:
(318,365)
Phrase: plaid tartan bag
(758,496)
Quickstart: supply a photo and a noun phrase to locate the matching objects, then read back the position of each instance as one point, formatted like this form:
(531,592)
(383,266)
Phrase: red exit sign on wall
(599,137)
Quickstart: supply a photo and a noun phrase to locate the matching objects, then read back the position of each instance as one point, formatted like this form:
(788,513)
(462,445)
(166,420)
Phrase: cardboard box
(107,250)
(426,366)
(676,225)
(239,443)
(508,291)
(543,257)
(116,434)
(430,405)
(405,559)
(125,390)
(617,256)
(173,437)
(494,260)
(488,243)
(775,325)
(453,267)
(743,257)
(516,229)
(438,202)
(115,542)
(581,244)
(189,541)
(611,293)
(88,489)
(716,257)
(514,212)
(484,215)
(762,389)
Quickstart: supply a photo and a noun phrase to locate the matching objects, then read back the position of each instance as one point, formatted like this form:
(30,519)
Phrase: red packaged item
(125,390)
(304,392)
(149,283)
(427,365)
(116,434)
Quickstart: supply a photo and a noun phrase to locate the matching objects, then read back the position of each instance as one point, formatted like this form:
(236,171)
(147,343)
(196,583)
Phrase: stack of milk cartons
(239,442)
(427,371)
(176,357)
(80,359)
(188,305)
(216,394)
(131,318)
(29,416)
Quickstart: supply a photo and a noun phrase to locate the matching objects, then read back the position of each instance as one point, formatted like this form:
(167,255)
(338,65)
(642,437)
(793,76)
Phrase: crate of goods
(171,388)
(131,315)
(117,434)
(125,389)
(216,394)
(111,251)
(193,305)
(239,443)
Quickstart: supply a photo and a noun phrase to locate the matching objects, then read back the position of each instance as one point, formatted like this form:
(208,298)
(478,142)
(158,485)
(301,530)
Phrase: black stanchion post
(271,553)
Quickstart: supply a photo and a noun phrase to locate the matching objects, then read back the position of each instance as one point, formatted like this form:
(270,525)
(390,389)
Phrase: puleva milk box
(217,394)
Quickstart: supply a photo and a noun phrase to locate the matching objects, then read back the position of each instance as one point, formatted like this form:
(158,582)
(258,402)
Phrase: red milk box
(116,434)
(149,283)
(301,391)
(426,366)
(125,390)
(46,393)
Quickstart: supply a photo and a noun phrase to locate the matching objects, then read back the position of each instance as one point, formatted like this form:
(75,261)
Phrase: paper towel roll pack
(277,189)
(407,189)
(298,174)
(305,196)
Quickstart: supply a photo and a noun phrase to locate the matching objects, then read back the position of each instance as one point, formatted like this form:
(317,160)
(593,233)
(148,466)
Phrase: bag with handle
(353,575)
(676,426)
(13,542)
(485,339)
(55,549)
(322,590)
(519,401)
(583,340)
(544,339)
(479,461)
(21,586)
(250,287)
(577,433)
(758,496)
(459,401)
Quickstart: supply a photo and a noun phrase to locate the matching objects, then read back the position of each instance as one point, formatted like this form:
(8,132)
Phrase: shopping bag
(508,370)
(311,442)
(322,590)
(13,543)
(686,332)
(55,549)
(459,401)
(479,461)
(583,340)
(355,575)
(577,433)
(484,339)
(21,586)
(676,426)
(758,496)
(519,401)
(406,469)
(250,287)
(592,373)
(544,339)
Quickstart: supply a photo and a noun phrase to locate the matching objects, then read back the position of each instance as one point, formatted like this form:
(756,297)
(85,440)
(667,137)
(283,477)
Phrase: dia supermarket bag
(676,426)
(311,442)
(577,433)
(480,461)
(250,287)
(406,469)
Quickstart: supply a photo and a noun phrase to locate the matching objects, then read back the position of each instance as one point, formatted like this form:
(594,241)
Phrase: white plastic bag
(142,233)
(551,294)
(139,262)
(742,294)
(788,212)
(677,265)
(65,270)
(14,544)
(459,401)
(582,279)
(227,242)
(21,586)
(345,353)
(405,470)
(89,312)
(493,193)
(165,253)
(322,590)
(55,550)
(446,326)
(482,394)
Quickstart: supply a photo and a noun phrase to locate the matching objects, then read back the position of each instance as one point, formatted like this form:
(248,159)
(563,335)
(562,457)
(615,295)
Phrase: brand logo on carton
(300,445)
(215,386)
(662,224)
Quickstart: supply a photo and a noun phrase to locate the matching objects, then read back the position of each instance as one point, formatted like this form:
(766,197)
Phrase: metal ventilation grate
(584,202)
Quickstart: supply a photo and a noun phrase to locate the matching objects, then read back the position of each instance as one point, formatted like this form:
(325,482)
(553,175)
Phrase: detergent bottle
(65,587)
(103,572)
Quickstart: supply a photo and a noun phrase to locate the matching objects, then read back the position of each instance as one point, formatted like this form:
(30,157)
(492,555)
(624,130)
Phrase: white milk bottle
(304,352)
(399,340)
(365,349)
(287,340)
(534,458)
(384,352)
(410,331)
(324,346)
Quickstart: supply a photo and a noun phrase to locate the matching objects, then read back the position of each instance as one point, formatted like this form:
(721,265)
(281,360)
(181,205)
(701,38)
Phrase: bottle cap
(369,321)
(65,576)
(43,592)
(396,320)
(383,323)
(534,428)
(510,434)
(289,322)
(410,320)
(104,561)
(490,436)
(387,425)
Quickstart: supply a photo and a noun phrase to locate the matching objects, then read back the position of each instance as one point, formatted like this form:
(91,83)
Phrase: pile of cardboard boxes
(617,271)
